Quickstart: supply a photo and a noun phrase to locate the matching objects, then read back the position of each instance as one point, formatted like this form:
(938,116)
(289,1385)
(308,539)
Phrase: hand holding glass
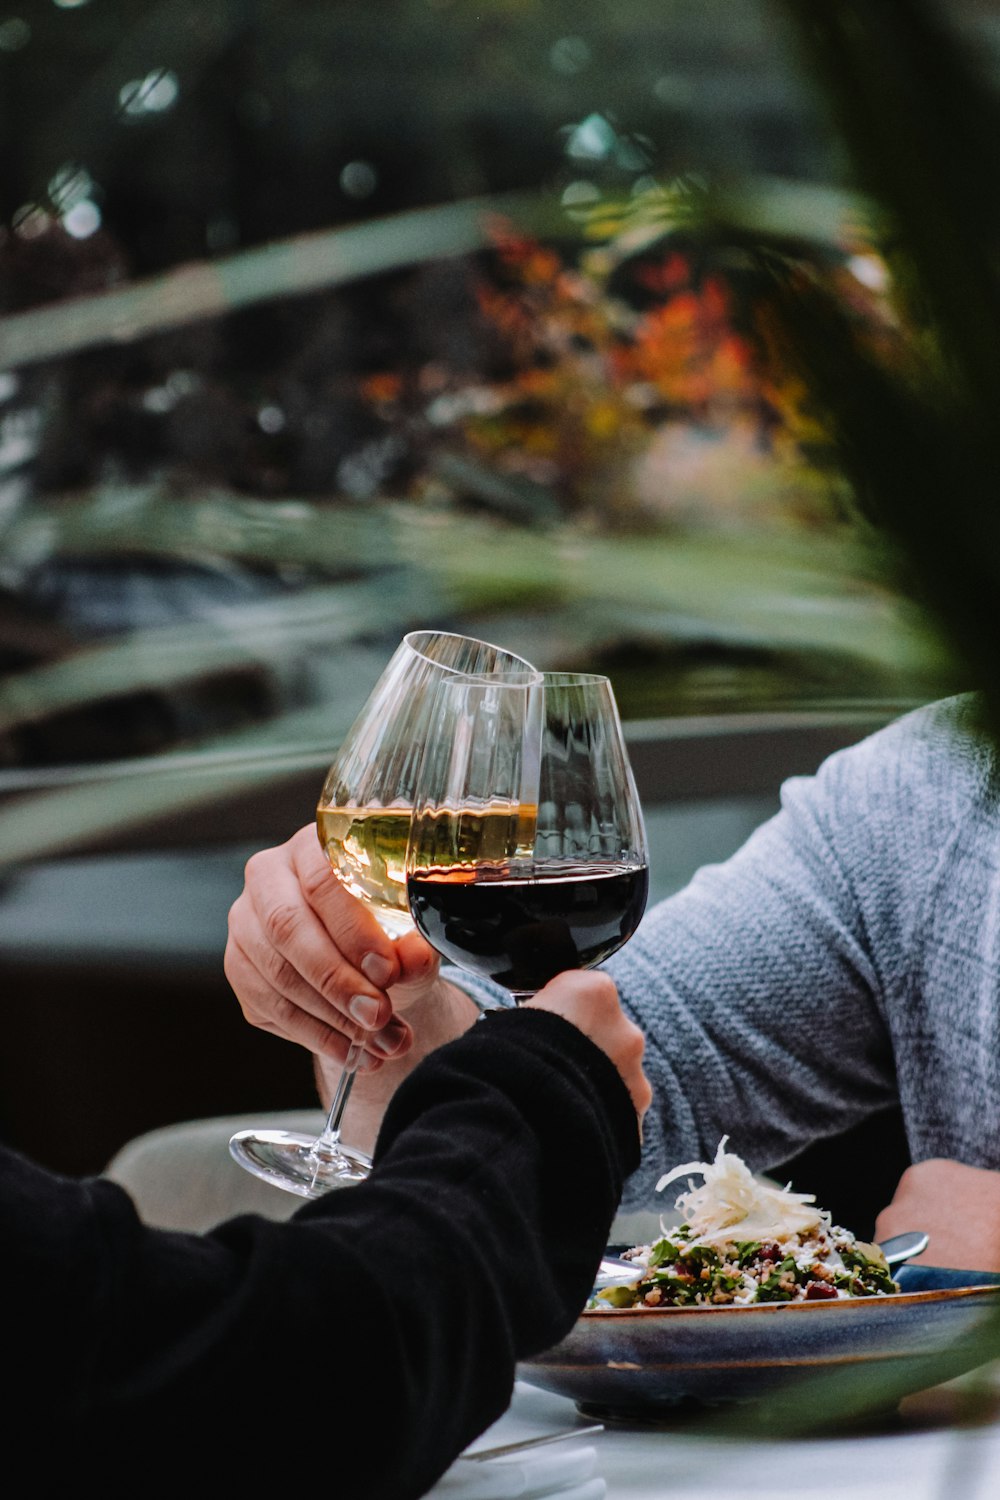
(363,823)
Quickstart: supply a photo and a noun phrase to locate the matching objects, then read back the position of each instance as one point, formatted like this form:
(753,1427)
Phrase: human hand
(589,999)
(307,961)
(957,1205)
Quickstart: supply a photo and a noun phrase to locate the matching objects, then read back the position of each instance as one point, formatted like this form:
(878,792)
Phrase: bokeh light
(359,179)
(570,55)
(154,94)
(14,34)
(82,220)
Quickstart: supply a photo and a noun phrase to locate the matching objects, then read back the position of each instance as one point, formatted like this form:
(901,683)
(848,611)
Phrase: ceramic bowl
(837,1356)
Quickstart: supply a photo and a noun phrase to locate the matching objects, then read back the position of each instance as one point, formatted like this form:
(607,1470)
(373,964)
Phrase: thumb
(419,966)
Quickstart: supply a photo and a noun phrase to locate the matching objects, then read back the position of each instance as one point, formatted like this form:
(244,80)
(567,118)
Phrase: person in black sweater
(375,1333)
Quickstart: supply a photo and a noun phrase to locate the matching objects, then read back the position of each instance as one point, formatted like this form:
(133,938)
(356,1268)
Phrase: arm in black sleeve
(381,1324)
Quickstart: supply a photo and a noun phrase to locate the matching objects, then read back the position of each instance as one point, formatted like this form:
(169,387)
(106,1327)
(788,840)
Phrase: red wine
(523,930)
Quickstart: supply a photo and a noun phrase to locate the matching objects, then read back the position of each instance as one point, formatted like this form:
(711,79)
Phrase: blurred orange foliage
(607,357)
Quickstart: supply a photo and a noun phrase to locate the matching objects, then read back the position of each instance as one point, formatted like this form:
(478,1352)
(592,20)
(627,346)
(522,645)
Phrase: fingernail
(364,1009)
(377,969)
(390,1039)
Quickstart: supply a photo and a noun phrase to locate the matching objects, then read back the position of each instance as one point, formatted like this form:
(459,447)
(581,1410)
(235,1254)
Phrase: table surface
(934,1450)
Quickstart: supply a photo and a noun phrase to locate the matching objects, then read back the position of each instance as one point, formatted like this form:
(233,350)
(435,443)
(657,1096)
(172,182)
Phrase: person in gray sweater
(845,959)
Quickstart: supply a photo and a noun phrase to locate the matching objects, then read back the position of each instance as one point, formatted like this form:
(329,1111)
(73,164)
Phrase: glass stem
(328,1142)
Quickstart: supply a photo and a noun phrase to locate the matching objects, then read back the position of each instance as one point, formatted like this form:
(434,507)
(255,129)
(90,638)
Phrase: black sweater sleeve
(380,1326)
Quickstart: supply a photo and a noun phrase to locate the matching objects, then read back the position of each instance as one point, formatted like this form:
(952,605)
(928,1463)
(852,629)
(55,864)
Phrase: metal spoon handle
(900,1247)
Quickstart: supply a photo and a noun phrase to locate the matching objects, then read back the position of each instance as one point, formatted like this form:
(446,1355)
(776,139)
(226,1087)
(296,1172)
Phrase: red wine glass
(527,852)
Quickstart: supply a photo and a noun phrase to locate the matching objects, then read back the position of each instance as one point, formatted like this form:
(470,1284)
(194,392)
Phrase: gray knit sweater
(847,957)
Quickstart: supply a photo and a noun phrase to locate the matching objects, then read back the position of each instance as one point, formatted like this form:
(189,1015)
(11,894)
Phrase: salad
(743,1240)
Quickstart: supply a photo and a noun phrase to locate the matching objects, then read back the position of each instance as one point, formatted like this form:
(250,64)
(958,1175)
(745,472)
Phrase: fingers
(302,951)
(419,966)
(359,938)
(270,1011)
(590,1001)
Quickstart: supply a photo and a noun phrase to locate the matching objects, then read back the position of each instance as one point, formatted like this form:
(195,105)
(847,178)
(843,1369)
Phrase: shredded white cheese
(733,1204)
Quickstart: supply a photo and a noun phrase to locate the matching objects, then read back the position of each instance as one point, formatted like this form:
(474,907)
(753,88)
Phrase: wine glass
(527,851)
(363,823)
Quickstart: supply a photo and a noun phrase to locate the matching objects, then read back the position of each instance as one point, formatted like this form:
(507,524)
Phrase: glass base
(290,1161)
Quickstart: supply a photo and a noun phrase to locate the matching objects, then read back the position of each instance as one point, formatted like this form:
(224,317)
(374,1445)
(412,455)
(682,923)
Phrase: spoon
(900,1247)
(614,1271)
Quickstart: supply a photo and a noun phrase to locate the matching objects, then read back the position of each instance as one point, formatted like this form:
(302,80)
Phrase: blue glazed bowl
(821,1362)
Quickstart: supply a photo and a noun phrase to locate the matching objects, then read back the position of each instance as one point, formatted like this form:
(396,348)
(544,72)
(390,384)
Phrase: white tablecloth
(926,1455)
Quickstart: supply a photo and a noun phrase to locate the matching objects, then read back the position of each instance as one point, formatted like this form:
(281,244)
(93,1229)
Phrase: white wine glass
(363,822)
(527,852)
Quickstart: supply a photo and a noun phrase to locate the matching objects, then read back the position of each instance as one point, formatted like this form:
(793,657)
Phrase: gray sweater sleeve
(767,987)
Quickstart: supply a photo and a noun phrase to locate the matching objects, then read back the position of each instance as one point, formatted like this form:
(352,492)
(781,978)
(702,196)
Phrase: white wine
(367,848)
